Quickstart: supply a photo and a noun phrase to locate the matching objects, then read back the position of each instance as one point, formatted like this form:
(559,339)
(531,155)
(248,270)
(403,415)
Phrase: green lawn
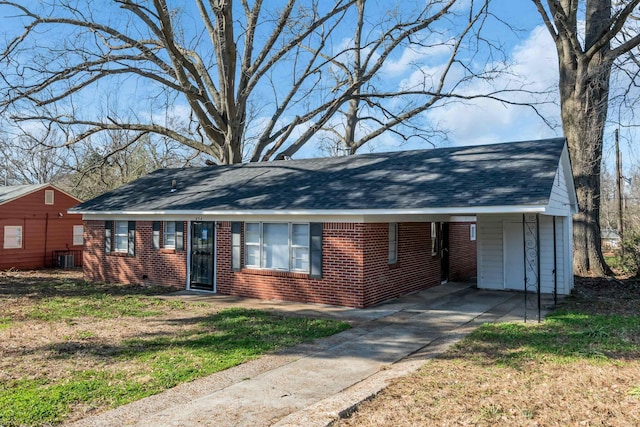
(79,363)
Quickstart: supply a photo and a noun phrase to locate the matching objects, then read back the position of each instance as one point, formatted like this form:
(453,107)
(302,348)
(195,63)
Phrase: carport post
(538,262)
(524,264)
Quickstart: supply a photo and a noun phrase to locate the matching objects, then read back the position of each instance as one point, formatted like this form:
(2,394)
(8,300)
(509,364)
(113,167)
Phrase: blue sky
(533,56)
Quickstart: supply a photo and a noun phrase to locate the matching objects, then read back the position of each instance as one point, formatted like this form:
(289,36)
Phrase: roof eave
(321,212)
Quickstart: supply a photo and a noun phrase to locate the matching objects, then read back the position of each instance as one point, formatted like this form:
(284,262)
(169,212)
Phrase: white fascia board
(471,211)
(565,163)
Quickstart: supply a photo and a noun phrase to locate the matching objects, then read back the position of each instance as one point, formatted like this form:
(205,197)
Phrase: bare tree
(100,166)
(27,158)
(585,65)
(259,81)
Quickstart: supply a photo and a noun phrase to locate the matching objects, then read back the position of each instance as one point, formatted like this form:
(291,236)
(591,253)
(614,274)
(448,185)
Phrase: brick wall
(151,266)
(355,267)
(416,268)
(462,252)
(341,282)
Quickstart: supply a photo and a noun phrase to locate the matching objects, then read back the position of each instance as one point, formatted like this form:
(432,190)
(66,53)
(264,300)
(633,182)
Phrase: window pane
(393,243)
(252,257)
(252,232)
(300,234)
(275,250)
(169,240)
(12,237)
(122,236)
(122,227)
(121,243)
(78,238)
(300,260)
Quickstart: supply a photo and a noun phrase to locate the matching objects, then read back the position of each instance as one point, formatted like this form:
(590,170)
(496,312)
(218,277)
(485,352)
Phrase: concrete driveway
(312,384)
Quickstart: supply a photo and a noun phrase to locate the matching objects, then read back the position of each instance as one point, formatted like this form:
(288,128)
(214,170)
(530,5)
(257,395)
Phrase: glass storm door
(202,255)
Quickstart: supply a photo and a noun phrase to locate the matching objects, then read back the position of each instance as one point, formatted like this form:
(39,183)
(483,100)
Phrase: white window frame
(393,242)
(116,235)
(472,232)
(260,246)
(49,197)
(12,237)
(78,235)
(166,233)
(293,246)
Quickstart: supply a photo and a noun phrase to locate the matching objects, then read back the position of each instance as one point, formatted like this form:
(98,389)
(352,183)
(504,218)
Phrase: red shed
(35,229)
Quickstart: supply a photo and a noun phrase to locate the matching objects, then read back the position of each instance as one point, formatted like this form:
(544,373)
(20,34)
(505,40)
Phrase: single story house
(351,231)
(35,229)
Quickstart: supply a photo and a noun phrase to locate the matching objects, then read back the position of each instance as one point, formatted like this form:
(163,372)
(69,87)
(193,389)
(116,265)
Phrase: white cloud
(412,56)
(485,121)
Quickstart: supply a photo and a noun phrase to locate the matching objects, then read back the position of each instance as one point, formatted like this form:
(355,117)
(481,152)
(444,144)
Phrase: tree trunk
(584,111)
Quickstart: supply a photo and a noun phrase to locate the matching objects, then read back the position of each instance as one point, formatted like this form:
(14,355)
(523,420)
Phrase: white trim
(49,197)
(188,255)
(331,212)
(215,257)
(13,237)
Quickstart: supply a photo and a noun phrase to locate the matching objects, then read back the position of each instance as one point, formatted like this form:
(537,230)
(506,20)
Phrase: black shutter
(131,241)
(108,226)
(179,235)
(156,234)
(315,250)
(236,246)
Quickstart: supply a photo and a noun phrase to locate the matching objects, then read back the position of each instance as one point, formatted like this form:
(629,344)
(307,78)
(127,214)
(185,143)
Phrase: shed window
(277,246)
(393,243)
(121,236)
(78,235)
(48,197)
(472,232)
(12,237)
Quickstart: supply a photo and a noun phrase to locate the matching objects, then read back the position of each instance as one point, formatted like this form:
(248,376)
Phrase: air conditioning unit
(66,261)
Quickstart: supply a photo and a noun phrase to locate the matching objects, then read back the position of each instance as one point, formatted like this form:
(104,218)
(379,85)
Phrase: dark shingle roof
(508,174)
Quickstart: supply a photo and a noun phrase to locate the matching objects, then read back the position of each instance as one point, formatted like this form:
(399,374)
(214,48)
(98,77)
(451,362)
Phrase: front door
(444,252)
(202,255)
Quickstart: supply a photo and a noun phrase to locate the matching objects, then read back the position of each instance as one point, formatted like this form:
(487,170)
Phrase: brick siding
(148,266)
(462,253)
(416,268)
(355,267)
(341,282)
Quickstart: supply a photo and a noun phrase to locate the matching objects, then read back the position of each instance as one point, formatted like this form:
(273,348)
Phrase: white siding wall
(489,246)
(559,198)
(491,252)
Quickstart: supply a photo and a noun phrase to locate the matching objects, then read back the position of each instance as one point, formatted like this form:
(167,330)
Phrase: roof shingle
(517,173)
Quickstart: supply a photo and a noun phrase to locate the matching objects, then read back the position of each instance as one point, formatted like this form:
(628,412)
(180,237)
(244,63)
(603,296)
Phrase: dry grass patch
(581,367)
(70,348)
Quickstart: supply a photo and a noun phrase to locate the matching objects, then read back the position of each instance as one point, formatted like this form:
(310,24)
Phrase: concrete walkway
(313,384)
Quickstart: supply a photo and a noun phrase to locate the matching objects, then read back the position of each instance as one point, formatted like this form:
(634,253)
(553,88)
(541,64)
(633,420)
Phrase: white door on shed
(513,255)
